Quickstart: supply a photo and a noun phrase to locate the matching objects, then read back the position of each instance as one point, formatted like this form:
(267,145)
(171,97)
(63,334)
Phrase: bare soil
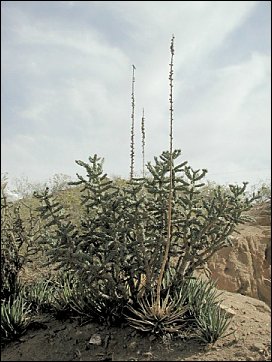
(49,339)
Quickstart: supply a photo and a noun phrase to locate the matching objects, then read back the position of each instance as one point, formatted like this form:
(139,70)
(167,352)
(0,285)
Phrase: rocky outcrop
(245,267)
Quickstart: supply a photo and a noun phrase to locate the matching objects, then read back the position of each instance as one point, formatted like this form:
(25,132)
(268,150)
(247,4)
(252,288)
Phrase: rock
(258,347)
(95,339)
(229,311)
(245,267)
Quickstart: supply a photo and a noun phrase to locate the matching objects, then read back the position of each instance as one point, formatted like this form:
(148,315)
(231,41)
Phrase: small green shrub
(148,317)
(198,293)
(39,295)
(212,323)
(69,298)
(72,297)
(19,235)
(209,321)
(15,317)
(64,289)
(192,309)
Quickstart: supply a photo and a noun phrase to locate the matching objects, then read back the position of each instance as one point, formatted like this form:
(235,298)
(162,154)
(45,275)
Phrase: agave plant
(71,297)
(148,317)
(212,323)
(198,293)
(14,318)
(39,295)
(65,289)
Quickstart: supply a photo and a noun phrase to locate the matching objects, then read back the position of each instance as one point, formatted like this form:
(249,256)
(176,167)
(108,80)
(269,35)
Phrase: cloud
(230,117)
(67,70)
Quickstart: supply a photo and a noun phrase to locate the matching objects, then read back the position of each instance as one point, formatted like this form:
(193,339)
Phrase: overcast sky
(66,85)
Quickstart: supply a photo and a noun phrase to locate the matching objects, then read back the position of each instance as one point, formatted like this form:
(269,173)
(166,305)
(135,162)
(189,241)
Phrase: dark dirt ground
(49,339)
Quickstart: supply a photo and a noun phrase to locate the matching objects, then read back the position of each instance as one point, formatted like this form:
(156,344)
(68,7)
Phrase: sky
(66,85)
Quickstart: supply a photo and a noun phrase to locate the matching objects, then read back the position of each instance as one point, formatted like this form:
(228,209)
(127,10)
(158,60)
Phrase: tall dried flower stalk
(169,213)
(132,125)
(143,142)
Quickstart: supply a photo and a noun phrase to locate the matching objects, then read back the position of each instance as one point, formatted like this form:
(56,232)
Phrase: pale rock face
(245,268)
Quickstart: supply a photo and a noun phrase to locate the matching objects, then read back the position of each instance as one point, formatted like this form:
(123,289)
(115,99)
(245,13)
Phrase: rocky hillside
(245,268)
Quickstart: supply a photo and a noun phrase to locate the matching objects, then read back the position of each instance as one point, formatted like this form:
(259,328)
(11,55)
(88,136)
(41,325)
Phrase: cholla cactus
(120,245)
(147,236)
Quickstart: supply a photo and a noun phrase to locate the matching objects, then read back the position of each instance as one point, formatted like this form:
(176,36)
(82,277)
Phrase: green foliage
(168,318)
(64,291)
(212,323)
(14,317)
(193,309)
(115,254)
(94,252)
(197,293)
(202,299)
(18,242)
(39,295)
(72,298)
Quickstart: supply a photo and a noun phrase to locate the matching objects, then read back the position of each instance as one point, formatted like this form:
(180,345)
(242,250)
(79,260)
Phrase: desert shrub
(18,242)
(58,294)
(71,297)
(170,318)
(203,300)
(15,317)
(212,323)
(136,244)
(94,253)
(117,251)
(191,310)
(197,293)
(39,295)
(264,191)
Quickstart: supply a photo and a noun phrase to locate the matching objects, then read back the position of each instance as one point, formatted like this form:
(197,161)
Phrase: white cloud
(68,82)
(230,118)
